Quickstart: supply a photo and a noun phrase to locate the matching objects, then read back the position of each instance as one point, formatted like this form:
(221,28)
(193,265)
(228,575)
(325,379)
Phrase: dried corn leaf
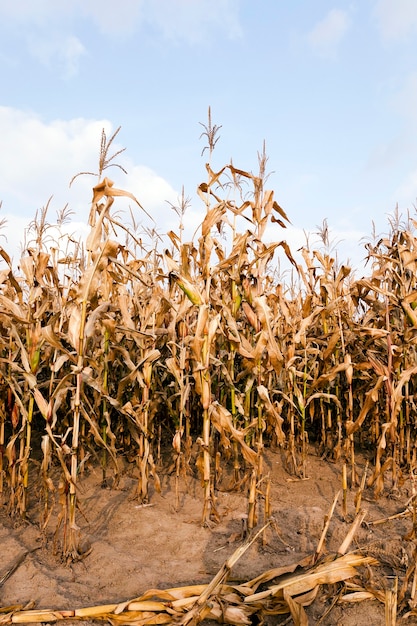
(137,618)
(371,399)
(13,309)
(94,317)
(357,596)
(43,406)
(227,614)
(331,375)
(297,612)
(264,314)
(173,593)
(214,217)
(397,395)
(248,588)
(74,326)
(325,573)
(273,411)
(53,340)
(222,421)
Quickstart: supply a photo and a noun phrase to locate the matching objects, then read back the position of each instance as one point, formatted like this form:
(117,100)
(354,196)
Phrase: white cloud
(64,52)
(396,19)
(112,18)
(329,32)
(72,51)
(26,9)
(38,158)
(194,20)
(178,20)
(142,181)
(47,10)
(53,33)
(38,161)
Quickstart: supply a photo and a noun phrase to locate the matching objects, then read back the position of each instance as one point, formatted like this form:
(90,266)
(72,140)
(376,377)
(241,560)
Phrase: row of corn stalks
(116,349)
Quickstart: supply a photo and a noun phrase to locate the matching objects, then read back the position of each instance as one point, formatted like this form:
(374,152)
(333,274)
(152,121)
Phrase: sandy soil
(135,548)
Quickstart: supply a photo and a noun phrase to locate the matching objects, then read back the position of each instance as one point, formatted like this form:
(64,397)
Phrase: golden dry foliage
(201,354)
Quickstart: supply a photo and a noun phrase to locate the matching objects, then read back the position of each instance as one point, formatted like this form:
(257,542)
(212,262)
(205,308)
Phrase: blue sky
(330,86)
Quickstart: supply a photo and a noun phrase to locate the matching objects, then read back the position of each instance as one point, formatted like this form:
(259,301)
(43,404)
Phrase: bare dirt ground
(135,548)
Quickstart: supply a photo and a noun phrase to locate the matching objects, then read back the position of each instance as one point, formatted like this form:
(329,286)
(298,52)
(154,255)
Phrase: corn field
(193,358)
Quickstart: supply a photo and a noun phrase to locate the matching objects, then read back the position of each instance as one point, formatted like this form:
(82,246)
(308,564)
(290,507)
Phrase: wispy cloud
(26,10)
(61,53)
(113,18)
(329,32)
(106,13)
(405,101)
(396,19)
(388,153)
(195,21)
(406,193)
(54,33)
(72,51)
(192,21)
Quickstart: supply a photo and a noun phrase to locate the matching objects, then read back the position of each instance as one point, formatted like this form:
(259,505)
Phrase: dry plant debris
(293,588)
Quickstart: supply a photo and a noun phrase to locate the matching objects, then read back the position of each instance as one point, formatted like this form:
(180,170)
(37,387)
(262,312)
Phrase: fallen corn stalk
(293,588)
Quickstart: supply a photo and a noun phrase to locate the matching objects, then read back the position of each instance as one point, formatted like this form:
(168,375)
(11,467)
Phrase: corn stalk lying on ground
(281,591)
